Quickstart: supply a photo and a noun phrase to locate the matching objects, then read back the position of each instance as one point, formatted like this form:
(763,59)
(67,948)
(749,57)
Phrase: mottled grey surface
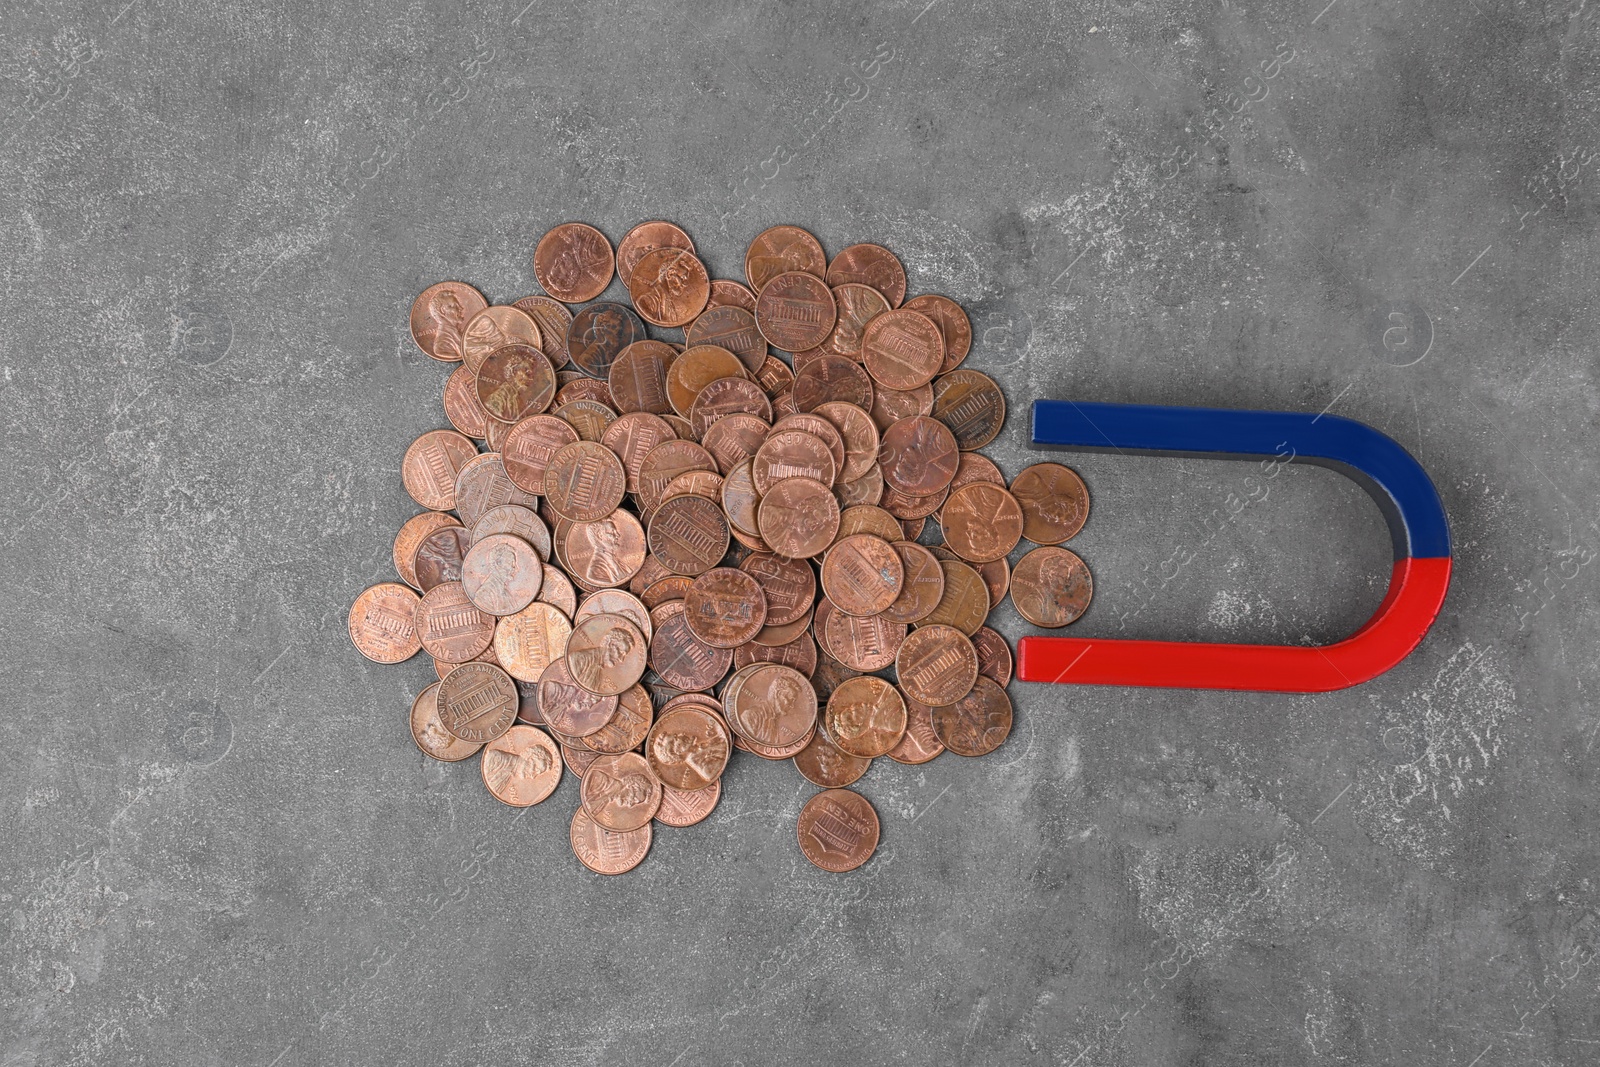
(220,845)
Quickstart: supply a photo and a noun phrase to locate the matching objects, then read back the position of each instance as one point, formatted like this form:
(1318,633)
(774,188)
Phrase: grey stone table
(220,845)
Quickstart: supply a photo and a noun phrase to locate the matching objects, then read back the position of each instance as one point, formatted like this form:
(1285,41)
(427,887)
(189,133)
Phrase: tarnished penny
(791,454)
(695,369)
(413,533)
(529,641)
(728,396)
(678,656)
(429,733)
(669,287)
(725,607)
(981,521)
(919,744)
(439,318)
(954,326)
(501,574)
(494,328)
(902,349)
(553,318)
(382,623)
(936,665)
(871,265)
(450,626)
(795,311)
(688,534)
(477,702)
(976,724)
(607,851)
(862,574)
(838,830)
(638,377)
(780,250)
(1055,502)
(1051,587)
(518,521)
(431,464)
(568,707)
(789,585)
(688,747)
(461,404)
(437,557)
(994,655)
(725,293)
(628,727)
(918,457)
(965,603)
(732,328)
(798,517)
(573,262)
(971,405)
(923,587)
(774,705)
(515,381)
(832,378)
(598,334)
(606,654)
(862,642)
(645,238)
(522,766)
(584,481)
(615,602)
(685,807)
(528,447)
(620,792)
(824,763)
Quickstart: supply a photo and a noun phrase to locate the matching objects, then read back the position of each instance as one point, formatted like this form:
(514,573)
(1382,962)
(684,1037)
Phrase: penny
(780,250)
(518,521)
(954,326)
(607,851)
(532,639)
(615,602)
(673,588)
(862,574)
(798,517)
(482,484)
(581,387)
(494,328)
(820,428)
(450,627)
(553,318)
(688,747)
(772,636)
(965,603)
(693,483)
(856,305)
(978,723)
(889,406)
(431,464)
(783,403)
(461,405)
(573,262)
(981,521)
(936,665)
(733,440)
(606,654)
(632,437)
(598,334)
(584,481)
(918,457)
(788,585)
(649,574)
(976,467)
(413,533)
(695,369)
(868,489)
(728,396)
(867,519)
(824,763)
(645,238)
(801,654)
(567,706)
(607,552)
(669,287)
(832,378)
(528,702)
(638,377)
(527,449)
(515,381)
(912,529)
(775,753)
(620,792)
(838,830)
(382,623)
(1055,502)
(725,293)
(688,534)
(577,761)
(858,434)
(923,587)
(428,732)
(438,556)
(775,706)
(902,349)
(439,318)
(775,376)
(871,265)
(972,405)
(795,311)
(589,417)
(1051,587)
(866,716)
(733,328)
(557,591)
(477,702)
(791,454)
(521,767)
(685,807)
(725,607)
(861,642)
(994,655)
(678,656)
(501,574)
(910,508)
(628,727)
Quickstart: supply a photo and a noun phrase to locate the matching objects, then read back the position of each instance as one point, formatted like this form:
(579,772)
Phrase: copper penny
(1051,587)
(791,454)
(573,262)
(518,521)
(976,724)
(889,406)
(954,326)
(772,636)
(829,675)
(725,607)
(775,376)
(902,349)
(431,464)
(1055,502)
(866,716)
(972,405)
(856,306)
(862,574)
(589,417)
(733,440)
(838,830)
(382,623)
(732,328)
(450,626)
(798,517)
(867,519)
(695,369)
(801,654)
(521,767)
(685,807)
(981,521)
(858,434)
(638,377)
(461,405)
(936,665)
(649,574)
(604,553)
(920,743)
(795,311)
(567,706)
(532,639)
(826,764)
(789,586)
(620,792)
(994,656)
(694,483)
(918,457)
(673,588)
(515,381)
(862,642)
(780,250)
(688,534)
(438,556)
(494,328)
(416,529)
(728,396)
(871,265)
(598,334)
(820,428)
(553,318)
(628,727)
(632,437)
(688,747)
(867,489)
(911,508)
(774,753)
(527,449)
(615,602)
(607,851)
(645,238)
(582,387)
(965,603)
(669,287)
(832,378)
(923,587)
(428,732)
(477,702)
(558,591)
(678,656)
(606,654)
(584,481)
(501,574)
(439,318)
(774,705)
(783,403)
(483,483)
(725,293)
(976,467)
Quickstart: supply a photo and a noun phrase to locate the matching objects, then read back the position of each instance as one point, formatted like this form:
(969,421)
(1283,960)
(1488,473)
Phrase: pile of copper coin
(646,549)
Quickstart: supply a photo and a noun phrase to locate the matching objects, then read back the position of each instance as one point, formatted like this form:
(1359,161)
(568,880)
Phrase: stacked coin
(643,552)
